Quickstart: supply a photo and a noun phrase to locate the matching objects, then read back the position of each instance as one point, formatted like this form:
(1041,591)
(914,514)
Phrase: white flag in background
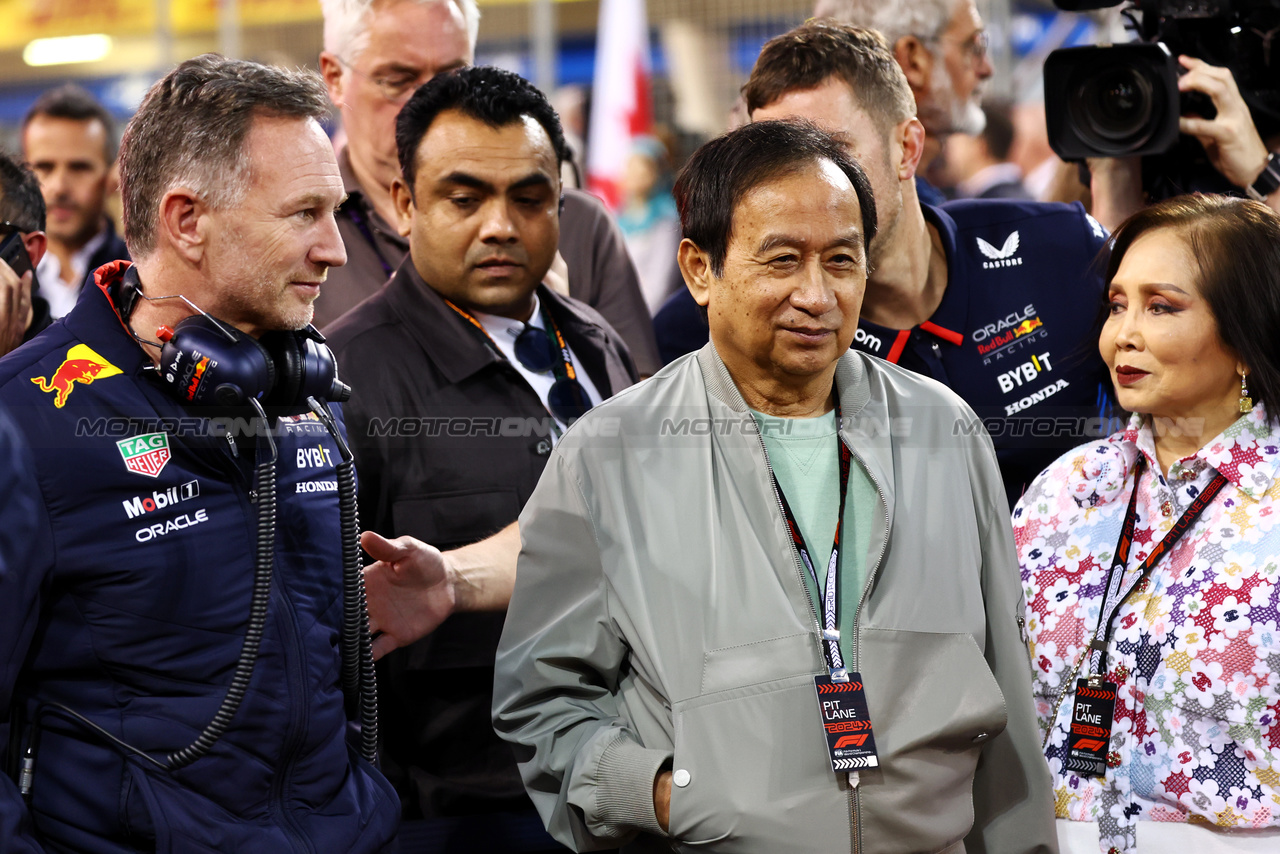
(620,103)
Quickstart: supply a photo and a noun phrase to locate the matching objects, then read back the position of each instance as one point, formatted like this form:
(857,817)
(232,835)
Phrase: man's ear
(916,62)
(331,70)
(35,242)
(183,223)
(695,267)
(403,200)
(909,138)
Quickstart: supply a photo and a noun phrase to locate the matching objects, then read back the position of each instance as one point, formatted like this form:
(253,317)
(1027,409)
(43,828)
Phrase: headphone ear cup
(285,353)
(207,363)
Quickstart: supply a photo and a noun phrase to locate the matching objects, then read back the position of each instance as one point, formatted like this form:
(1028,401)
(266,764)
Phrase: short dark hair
(21,201)
(816,51)
(191,130)
(718,175)
(70,101)
(998,133)
(487,94)
(1236,245)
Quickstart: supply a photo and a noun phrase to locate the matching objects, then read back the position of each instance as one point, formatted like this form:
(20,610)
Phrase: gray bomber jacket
(658,619)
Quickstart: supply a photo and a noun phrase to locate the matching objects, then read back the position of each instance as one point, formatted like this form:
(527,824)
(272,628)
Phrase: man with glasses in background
(465,370)
(377,52)
(941,46)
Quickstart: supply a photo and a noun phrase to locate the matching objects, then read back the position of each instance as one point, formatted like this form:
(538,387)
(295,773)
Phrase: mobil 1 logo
(139,505)
(846,723)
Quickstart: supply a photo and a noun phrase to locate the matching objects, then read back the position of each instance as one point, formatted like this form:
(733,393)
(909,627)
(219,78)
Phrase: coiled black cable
(359,679)
(264,564)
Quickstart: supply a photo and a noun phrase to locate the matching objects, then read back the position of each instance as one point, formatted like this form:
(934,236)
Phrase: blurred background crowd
(695,56)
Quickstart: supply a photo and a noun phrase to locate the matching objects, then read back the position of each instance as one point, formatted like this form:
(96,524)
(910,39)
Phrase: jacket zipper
(854,802)
(295,722)
(855,831)
(291,654)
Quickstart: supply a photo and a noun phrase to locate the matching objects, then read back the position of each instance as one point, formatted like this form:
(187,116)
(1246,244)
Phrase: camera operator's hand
(1230,139)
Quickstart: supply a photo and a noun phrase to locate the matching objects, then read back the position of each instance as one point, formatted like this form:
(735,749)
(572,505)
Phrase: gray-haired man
(377,52)
(143,612)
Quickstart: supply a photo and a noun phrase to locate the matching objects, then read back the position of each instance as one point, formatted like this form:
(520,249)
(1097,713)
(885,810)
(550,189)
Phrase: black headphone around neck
(204,361)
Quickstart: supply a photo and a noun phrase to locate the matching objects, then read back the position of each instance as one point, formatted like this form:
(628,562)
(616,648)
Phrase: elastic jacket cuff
(626,774)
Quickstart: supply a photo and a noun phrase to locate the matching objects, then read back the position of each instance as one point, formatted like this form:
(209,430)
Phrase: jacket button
(543,447)
(680,777)
(1167,508)
(980,737)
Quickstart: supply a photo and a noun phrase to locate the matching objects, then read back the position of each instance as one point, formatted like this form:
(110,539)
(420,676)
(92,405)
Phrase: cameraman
(1230,139)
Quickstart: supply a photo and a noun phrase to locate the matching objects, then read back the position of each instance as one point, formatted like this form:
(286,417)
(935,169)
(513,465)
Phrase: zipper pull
(231,440)
(28,774)
(854,779)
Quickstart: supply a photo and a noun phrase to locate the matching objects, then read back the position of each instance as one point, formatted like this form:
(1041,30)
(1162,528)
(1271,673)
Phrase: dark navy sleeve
(927,193)
(26,558)
(679,327)
(1099,244)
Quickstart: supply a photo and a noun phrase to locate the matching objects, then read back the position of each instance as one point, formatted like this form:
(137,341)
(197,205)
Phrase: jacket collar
(358,201)
(851,384)
(950,320)
(96,321)
(1247,454)
(349,181)
(952,314)
(459,353)
(865,423)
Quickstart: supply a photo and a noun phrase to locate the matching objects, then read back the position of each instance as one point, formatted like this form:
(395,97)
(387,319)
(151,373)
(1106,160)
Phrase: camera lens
(1114,108)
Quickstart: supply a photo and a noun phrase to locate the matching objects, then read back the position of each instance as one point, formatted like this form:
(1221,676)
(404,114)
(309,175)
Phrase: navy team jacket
(131,610)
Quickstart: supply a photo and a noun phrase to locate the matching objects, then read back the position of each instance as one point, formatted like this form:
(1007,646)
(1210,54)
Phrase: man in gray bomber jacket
(684,663)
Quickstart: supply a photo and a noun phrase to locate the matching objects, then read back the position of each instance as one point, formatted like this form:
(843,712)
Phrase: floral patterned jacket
(1195,651)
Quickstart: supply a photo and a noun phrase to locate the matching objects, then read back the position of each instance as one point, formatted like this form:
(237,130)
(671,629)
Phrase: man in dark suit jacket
(465,371)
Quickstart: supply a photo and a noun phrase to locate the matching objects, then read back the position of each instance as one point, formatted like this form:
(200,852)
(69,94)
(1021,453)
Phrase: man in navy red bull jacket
(121,634)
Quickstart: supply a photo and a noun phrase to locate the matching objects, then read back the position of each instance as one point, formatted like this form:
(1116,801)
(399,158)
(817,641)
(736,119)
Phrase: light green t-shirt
(806,462)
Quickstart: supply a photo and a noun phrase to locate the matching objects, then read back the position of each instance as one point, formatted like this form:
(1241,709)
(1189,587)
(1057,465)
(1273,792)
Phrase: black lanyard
(1115,575)
(831,590)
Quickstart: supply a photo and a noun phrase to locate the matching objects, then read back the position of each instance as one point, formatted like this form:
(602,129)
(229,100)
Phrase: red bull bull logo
(197,377)
(82,365)
(1013,333)
(1027,326)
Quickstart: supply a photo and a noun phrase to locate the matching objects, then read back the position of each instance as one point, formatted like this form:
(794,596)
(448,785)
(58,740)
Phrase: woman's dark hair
(724,170)
(1236,246)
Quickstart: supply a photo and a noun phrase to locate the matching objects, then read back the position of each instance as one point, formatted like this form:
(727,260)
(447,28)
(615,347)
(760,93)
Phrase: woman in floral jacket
(1151,559)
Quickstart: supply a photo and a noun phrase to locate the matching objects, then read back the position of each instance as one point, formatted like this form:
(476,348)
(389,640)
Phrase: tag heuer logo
(145,454)
(1002,257)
